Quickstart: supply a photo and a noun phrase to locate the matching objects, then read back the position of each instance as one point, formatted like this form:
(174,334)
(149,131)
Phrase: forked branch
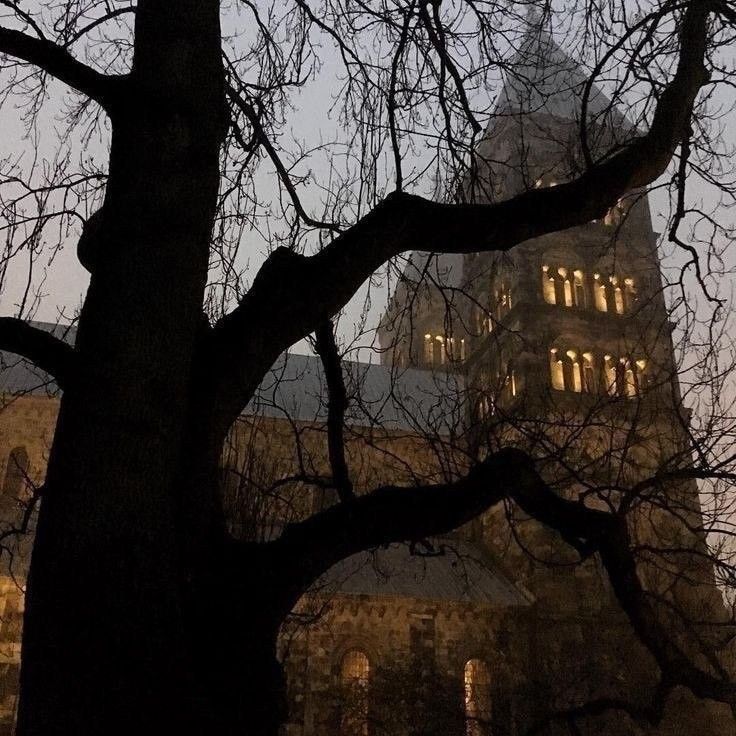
(59,63)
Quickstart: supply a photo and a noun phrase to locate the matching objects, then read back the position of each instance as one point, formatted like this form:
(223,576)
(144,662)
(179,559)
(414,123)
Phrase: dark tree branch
(260,135)
(45,351)
(59,63)
(98,22)
(337,404)
(395,514)
(293,294)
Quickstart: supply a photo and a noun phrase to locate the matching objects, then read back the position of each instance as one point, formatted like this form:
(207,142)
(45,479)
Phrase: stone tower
(565,344)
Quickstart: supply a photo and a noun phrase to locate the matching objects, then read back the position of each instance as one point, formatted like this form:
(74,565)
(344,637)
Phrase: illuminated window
(483,323)
(609,372)
(618,295)
(355,680)
(577,380)
(641,374)
(477,681)
(503,300)
(548,286)
(579,288)
(630,384)
(441,348)
(588,373)
(428,350)
(462,348)
(16,473)
(630,293)
(599,291)
(566,286)
(557,371)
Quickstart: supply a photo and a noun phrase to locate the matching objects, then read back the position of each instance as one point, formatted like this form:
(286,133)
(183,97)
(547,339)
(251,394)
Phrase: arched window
(599,292)
(16,473)
(566,286)
(589,383)
(355,672)
(630,382)
(557,370)
(609,374)
(630,293)
(618,295)
(579,287)
(440,348)
(641,374)
(575,373)
(548,286)
(428,349)
(477,681)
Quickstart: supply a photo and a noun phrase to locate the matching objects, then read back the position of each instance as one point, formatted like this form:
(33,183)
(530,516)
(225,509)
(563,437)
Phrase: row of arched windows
(587,371)
(355,677)
(442,349)
(572,288)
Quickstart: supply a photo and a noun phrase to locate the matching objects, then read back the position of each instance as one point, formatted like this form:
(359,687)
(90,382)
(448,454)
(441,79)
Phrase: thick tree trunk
(104,640)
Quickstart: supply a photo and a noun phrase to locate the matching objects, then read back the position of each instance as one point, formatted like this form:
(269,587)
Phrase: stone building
(562,346)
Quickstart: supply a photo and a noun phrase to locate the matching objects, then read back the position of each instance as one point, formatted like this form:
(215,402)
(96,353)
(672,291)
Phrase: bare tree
(144,613)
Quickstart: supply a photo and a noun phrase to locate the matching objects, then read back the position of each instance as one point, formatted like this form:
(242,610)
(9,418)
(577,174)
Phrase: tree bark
(104,638)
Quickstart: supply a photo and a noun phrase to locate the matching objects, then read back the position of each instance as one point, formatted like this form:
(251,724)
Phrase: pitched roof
(295,388)
(380,395)
(460,572)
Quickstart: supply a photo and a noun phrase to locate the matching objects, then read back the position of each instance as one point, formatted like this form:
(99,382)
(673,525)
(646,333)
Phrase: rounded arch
(16,472)
(355,675)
